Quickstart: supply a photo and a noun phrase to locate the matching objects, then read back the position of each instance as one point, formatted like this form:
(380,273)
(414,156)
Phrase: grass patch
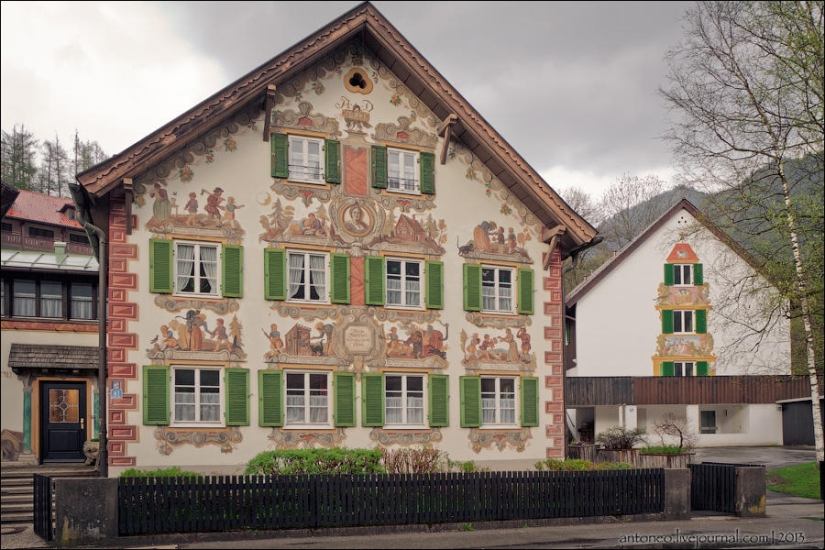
(664,450)
(801,480)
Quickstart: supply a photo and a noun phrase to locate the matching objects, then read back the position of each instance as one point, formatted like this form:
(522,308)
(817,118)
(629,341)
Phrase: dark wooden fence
(225,503)
(43,507)
(713,486)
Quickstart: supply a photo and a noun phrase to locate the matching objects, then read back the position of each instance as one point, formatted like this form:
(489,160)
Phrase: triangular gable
(682,253)
(373,30)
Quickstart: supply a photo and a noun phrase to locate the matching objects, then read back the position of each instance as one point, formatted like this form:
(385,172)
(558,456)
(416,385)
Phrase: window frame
(707,429)
(682,274)
(303,177)
(395,183)
(176,291)
(683,315)
(497,269)
(173,402)
(422,281)
(684,368)
(498,424)
(307,271)
(307,407)
(406,424)
(67,282)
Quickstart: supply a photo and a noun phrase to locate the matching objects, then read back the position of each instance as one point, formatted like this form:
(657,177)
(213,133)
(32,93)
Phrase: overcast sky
(571,85)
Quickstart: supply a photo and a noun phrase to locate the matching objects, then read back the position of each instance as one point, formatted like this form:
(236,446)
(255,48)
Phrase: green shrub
(160,472)
(663,450)
(578,464)
(316,461)
(413,461)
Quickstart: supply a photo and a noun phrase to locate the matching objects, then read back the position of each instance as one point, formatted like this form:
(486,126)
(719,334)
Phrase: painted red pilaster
(553,358)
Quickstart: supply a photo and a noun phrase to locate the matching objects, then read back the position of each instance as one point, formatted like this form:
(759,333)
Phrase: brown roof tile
(47,209)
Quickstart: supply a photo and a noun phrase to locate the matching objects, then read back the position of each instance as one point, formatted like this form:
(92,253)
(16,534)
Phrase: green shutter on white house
(472,287)
(340,275)
(701,321)
(667,321)
(237,397)
(470,387)
(270,400)
(668,274)
(529,401)
(374,280)
(698,274)
(439,394)
(702,368)
(525,291)
(372,397)
(160,266)
(332,161)
(379,167)
(434,273)
(426,165)
(279,144)
(156,395)
(232,268)
(667,369)
(344,383)
(274,274)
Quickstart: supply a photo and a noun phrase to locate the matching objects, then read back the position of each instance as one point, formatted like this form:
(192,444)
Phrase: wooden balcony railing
(16,241)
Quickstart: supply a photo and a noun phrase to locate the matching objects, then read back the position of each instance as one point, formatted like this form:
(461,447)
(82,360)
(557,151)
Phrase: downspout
(102,308)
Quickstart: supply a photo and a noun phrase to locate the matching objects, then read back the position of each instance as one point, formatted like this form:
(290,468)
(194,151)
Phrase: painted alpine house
(335,250)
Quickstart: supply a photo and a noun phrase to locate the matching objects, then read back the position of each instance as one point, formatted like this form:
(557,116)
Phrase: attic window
(358,82)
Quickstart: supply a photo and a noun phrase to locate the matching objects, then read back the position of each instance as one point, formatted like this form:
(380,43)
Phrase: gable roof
(367,24)
(47,209)
(602,271)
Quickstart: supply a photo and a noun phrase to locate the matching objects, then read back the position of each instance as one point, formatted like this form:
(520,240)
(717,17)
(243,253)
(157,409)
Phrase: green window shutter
(426,165)
(698,274)
(344,399)
(237,397)
(529,401)
(270,400)
(439,400)
(155,395)
(372,395)
(374,280)
(160,266)
(279,145)
(667,369)
(332,155)
(525,291)
(274,273)
(701,321)
(472,287)
(470,401)
(667,321)
(232,267)
(702,368)
(379,167)
(339,272)
(435,285)
(669,274)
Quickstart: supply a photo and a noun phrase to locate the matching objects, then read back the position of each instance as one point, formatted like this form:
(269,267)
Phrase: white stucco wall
(617,323)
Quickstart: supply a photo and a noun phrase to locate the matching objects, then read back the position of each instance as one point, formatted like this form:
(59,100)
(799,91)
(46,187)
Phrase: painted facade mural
(392,241)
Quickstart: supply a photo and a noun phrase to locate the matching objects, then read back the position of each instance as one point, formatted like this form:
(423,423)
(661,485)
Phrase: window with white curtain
(404,400)
(197,269)
(308,273)
(498,401)
(307,399)
(306,159)
(402,171)
(51,299)
(497,289)
(36,296)
(24,298)
(81,300)
(197,396)
(404,283)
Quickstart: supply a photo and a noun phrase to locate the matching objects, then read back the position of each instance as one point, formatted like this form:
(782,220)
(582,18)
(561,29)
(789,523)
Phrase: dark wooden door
(63,421)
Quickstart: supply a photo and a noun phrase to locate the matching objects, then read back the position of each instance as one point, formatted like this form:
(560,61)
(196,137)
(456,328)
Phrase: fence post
(677,493)
(750,491)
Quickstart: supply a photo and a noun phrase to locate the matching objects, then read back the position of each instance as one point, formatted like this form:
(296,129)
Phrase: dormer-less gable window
(683,274)
(403,170)
(305,159)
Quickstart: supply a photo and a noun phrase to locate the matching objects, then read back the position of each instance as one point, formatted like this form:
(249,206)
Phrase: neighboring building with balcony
(668,327)
(49,314)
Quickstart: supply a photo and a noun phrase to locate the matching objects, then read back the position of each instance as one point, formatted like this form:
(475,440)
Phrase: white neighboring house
(672,320)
